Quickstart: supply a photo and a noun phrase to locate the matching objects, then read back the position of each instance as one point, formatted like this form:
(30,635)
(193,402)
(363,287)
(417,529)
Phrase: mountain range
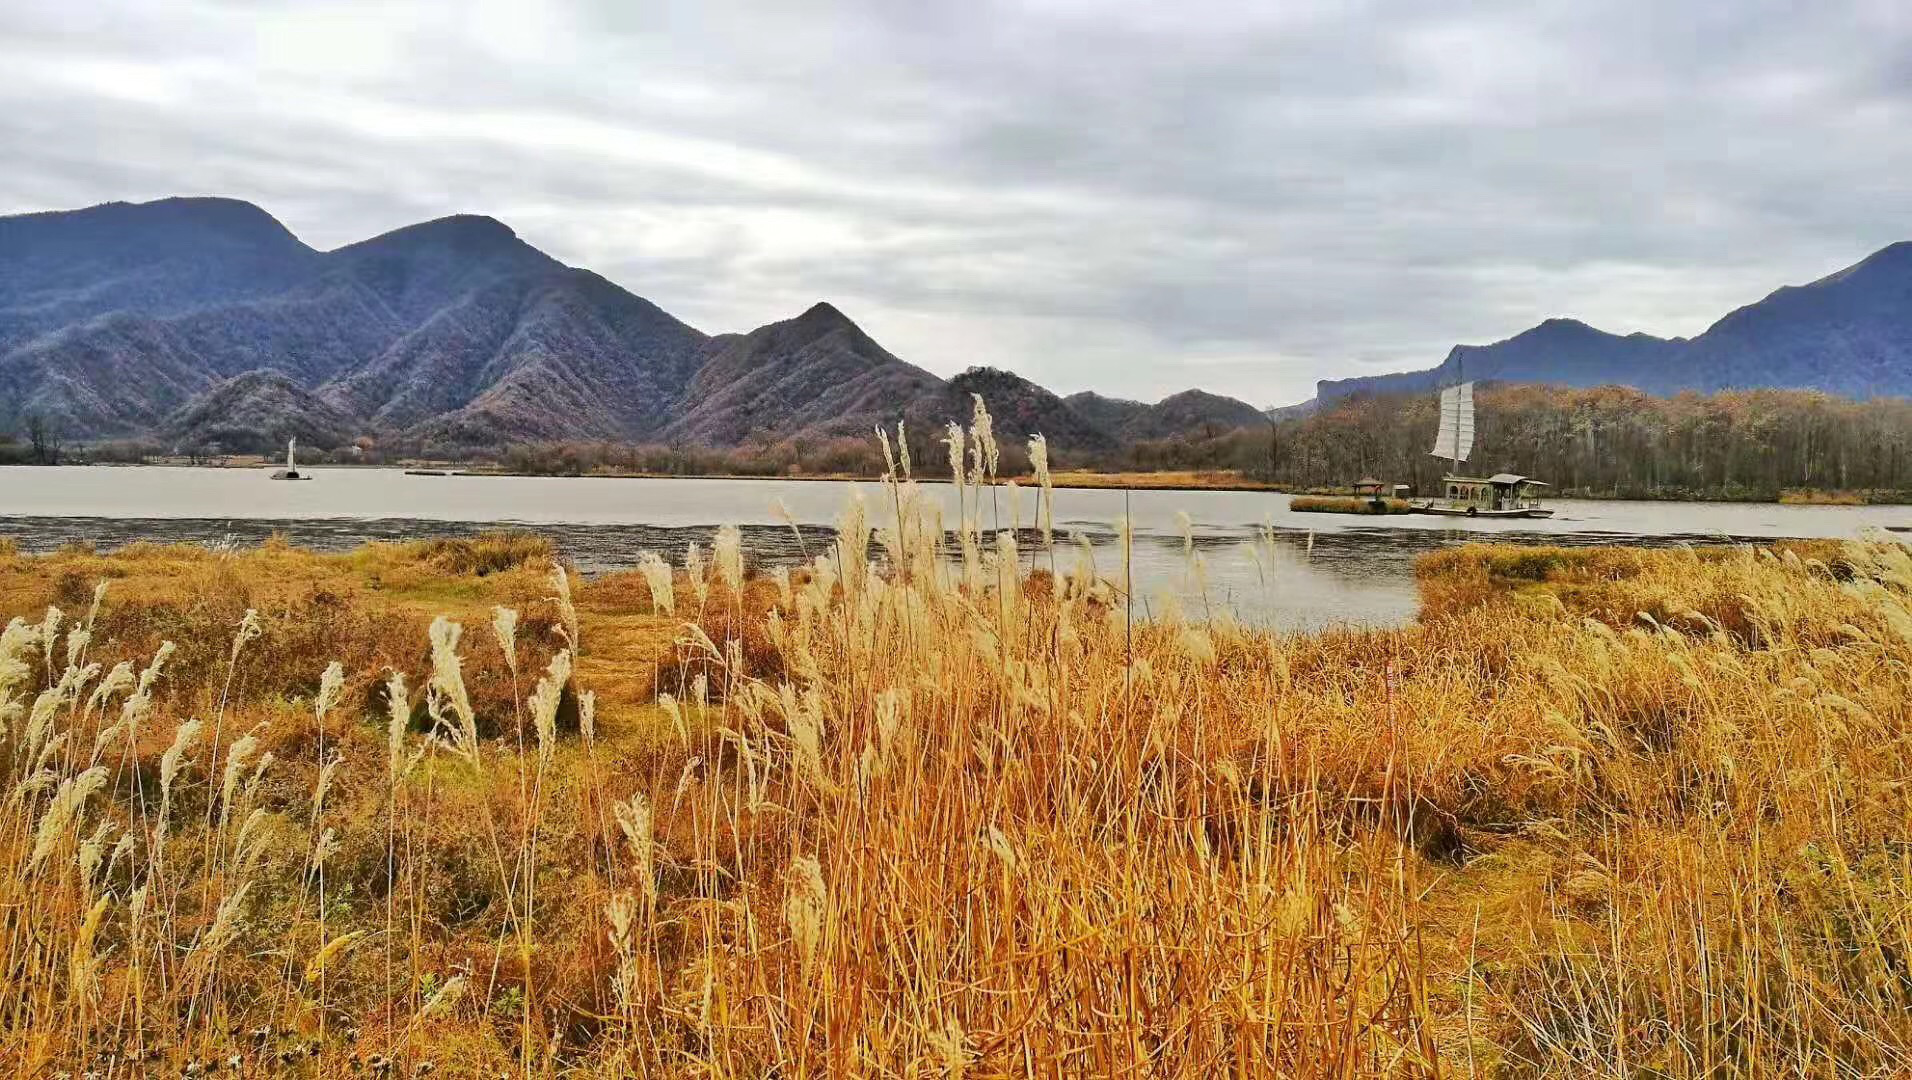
(204,320)
(1849,333)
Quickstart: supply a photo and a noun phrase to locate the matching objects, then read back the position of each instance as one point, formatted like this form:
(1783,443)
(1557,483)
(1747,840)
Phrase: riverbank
(1818,497)
(1181,480)
(1077,479)
(1222,480)
(693,817)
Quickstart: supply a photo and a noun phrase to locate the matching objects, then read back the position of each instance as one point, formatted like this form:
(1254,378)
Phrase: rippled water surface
(1328,569)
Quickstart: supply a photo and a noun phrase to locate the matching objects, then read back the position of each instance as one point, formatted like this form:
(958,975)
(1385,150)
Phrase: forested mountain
(1020,408)
(1189,412)
(200,320)
(1604,441)
(255,413)
(449,329)
(62,269)
(817,373)
(1560,352)
(1849,333)
(205,320)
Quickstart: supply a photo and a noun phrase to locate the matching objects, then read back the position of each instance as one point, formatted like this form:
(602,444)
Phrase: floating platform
(1477,512)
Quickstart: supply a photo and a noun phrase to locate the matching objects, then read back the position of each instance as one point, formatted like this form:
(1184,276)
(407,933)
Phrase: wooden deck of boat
(1477,512)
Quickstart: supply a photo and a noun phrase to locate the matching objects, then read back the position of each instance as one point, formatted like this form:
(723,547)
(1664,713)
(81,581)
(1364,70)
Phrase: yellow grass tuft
(1346,504)
(1600,812)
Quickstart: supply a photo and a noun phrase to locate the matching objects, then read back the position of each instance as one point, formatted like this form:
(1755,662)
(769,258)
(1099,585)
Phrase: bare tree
(44,437)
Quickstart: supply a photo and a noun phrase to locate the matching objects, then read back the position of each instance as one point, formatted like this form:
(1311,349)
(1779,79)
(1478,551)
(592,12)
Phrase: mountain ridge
(143,319)
(1177,414)
(206,319)
(1847,333)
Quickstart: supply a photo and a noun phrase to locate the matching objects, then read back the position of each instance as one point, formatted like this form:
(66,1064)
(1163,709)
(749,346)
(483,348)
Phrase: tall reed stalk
(1599,812)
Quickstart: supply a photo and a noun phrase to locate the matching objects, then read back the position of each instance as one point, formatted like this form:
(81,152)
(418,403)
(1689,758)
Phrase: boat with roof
(1502,495)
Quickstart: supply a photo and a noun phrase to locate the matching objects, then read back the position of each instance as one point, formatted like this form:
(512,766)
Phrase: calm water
(1329,569)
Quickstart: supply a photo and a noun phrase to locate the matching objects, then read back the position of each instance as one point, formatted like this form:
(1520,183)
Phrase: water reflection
(1313,570)
(1294,579)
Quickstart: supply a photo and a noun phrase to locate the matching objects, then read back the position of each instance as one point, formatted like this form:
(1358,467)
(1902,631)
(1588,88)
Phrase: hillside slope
(148,320)
(817,374)
(256,412)
(1020,408)
(1849,333)
(116,318)
(1189,412)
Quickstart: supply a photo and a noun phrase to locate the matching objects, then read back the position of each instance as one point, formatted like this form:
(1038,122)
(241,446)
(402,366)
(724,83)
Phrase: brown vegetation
(1616,442)
(1602,812)
(1347,504)
(1815,497)
(1762,445)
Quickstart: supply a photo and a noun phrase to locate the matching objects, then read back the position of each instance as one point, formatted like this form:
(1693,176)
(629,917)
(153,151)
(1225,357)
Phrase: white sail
(1456,438)
(292,446)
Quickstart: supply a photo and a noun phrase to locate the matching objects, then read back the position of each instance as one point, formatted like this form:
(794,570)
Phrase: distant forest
(1605,442)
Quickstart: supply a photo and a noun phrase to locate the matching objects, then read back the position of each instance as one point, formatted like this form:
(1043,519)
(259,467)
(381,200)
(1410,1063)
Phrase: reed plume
(659,579)
(727,550)
(1045,486)
(1599,811)
(448,681)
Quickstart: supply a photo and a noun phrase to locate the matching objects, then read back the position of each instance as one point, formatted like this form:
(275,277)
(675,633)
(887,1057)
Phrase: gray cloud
(1129,196)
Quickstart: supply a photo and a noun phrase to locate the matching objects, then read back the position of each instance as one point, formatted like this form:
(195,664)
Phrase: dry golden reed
(1600,812)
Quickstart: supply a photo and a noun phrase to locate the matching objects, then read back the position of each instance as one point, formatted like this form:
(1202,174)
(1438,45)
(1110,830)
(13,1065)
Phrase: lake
(1328,569)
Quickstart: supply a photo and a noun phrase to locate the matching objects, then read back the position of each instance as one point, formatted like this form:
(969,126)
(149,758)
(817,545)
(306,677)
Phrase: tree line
(40,442)
(1609,442)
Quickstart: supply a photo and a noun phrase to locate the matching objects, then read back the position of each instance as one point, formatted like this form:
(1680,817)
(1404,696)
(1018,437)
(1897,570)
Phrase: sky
(1131,197)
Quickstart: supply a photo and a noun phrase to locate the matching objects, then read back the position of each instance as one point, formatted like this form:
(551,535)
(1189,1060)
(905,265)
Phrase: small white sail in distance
(1456,437)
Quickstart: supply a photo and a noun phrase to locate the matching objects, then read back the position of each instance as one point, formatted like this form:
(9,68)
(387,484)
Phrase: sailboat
(1503,495)
(291,470)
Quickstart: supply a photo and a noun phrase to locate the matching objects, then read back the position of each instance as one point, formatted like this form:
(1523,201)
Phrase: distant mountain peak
(472,225)
(1560,324)
(206,204)
(1022,408)
(824,316)
(1091,397)
(123,224)
(468,231)
(210,209)
(423,267)
(1193,393)
(983,372)
(1893,260)
(1847,333)
(1188,411)
(206,319)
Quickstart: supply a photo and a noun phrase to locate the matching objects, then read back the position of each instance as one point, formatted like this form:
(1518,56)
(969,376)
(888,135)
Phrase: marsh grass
(1601,812)
(1842,497)
(1347,504)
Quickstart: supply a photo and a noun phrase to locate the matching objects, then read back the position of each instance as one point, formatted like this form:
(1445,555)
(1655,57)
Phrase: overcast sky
(1132,197)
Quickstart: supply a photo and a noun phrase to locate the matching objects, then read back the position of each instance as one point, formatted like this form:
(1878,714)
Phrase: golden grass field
(442,808)
(1817,497)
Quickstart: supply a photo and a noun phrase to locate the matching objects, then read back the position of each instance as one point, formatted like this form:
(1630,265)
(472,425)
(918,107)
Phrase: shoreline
(1066,480)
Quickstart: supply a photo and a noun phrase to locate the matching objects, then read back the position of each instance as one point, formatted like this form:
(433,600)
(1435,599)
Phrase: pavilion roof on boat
(1508,479)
